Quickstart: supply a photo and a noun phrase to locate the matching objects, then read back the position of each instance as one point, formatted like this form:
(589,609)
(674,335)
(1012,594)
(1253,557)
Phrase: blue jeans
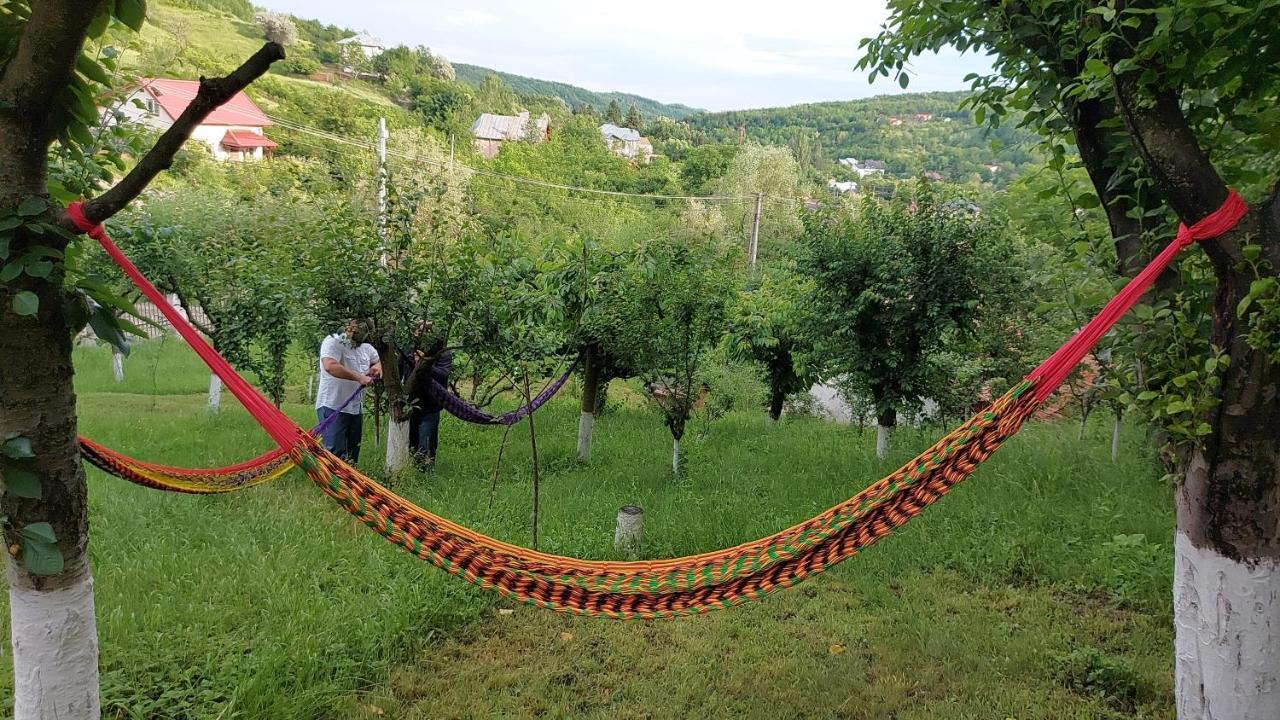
(342,437)
(424,434)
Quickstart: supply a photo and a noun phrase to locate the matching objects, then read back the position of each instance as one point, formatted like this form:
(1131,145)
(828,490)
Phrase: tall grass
(272,603)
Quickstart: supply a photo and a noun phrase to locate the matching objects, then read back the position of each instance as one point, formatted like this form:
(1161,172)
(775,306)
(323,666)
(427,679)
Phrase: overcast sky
(713,54)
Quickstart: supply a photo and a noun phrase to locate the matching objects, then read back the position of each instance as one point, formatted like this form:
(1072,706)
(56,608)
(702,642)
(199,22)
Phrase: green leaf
(26,303)
(10,271)
(4,248)
(41,532)
(903,80)
(13,221)
(106,328)
(40,556)
(17,447)
(92,70)
(21,483)
(39,269)
(32,206)
(131,12)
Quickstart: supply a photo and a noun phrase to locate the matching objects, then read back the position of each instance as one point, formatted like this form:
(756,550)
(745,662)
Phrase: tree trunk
(777,398)
(885,423)
(215,393)
(397,445)
(117,365)
(1115,438)
(52,625)
(590,396)
(536,516)
(675,456)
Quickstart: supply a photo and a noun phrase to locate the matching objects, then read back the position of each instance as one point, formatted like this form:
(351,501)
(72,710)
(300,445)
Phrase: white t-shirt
(332,391)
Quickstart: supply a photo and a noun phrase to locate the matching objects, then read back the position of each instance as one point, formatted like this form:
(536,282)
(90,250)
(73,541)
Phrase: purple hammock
(460,409)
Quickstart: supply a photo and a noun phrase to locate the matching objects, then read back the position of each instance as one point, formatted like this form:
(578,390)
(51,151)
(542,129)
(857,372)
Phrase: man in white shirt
(347,362)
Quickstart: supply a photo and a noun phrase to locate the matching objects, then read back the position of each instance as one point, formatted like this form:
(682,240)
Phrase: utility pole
(450,154)
(755,232)
(382,186)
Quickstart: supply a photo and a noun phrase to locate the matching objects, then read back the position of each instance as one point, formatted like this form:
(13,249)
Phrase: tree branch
(212,94)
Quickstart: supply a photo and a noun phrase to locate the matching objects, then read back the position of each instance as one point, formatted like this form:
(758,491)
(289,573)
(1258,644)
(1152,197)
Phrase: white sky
(714,54)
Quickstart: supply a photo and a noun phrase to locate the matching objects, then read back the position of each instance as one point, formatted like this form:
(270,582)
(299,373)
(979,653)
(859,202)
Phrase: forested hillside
(572,95)
(911,134)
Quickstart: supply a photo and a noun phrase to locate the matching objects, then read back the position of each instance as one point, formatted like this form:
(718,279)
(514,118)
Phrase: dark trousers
(342,437)
(424,435)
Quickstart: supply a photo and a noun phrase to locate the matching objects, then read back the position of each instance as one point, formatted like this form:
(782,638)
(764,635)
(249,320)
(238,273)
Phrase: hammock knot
(1215,224)
(75,211)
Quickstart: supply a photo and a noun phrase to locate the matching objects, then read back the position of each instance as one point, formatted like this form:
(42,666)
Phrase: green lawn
(1039,589)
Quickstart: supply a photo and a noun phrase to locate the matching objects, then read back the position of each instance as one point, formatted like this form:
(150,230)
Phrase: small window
(152,107)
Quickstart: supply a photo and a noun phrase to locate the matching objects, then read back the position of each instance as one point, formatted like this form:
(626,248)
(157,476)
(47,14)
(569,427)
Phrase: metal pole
(755,232)
(451,153)
(382,186)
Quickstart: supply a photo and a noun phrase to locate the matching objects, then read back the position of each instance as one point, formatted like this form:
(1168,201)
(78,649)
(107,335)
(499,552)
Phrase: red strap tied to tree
(1053,371)
(277,424)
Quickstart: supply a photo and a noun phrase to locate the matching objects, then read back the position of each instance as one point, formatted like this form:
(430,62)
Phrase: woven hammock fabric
(466,412)
(199,481)
(698,583)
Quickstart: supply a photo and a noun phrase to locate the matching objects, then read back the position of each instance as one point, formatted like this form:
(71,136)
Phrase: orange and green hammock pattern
(660,588)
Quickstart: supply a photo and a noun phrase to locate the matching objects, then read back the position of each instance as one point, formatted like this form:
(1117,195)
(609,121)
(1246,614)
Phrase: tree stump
(626,538)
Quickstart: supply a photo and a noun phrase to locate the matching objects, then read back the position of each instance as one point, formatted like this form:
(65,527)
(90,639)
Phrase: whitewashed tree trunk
(311,379)
(215,393)
(1115,440)
(117,365)
(675,456)
(586,423)
(55,647)
(630,528)
(397,445)
(882,440)
(1226,616)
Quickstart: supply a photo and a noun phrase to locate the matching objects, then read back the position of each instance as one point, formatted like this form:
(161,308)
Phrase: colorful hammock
(466,412)
(697,583)
(200,481)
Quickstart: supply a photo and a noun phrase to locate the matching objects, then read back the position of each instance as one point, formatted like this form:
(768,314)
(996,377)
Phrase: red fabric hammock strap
(1054,370)
(277,424)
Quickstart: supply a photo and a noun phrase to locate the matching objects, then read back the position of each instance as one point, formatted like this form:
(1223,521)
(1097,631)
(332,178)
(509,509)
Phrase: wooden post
(755,232)
(630,529)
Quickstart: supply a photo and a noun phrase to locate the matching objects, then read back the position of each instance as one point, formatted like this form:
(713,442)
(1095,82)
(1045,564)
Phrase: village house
(489,131)
(842,187)
(992,168)
(233,132)
(627,143)
(865,168)
(933,175)
(358,49)
(923,117)
(895,121)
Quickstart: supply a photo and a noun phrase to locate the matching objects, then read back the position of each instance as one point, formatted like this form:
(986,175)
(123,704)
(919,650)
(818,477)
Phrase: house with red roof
(233,132)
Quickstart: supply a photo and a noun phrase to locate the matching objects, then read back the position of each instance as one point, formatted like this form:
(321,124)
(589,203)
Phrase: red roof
(245,140)
(175,95)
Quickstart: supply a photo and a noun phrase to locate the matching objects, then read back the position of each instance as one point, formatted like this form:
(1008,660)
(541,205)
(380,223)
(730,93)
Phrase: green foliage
(896,285)
(1093,672)
(820,133)
(242,9)
(767,328)
(571,95)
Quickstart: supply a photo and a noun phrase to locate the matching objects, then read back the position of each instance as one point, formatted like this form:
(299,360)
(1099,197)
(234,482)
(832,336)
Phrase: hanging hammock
(200,481)
(466,412)
(697,583)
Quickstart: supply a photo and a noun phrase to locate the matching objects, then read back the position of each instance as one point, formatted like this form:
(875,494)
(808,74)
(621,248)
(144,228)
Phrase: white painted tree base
(1226,617)
(215,393)
(882,441)
(117,366)
(675,457)
(55,651)
(586,424)
(397,445)
(1115,441)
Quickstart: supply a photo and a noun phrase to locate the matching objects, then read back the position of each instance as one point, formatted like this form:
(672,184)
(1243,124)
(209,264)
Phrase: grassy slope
(1050,570)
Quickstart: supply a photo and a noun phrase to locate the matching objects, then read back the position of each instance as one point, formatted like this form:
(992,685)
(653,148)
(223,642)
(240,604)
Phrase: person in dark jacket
(424,419)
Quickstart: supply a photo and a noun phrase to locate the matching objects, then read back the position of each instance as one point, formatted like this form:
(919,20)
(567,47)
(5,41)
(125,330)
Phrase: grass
(1039,589)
